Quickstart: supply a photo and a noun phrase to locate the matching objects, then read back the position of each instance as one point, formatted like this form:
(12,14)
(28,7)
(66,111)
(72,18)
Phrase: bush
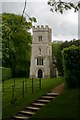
(22,73)
(71,62)
(6,73)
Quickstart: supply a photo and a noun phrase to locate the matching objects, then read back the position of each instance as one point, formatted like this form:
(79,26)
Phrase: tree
(7,43)
(16,43)
(71,62)
(60,6)
(56,53)
(55,47)
(63,45)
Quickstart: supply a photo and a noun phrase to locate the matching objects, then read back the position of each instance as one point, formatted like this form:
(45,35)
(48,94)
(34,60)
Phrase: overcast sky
(64,26)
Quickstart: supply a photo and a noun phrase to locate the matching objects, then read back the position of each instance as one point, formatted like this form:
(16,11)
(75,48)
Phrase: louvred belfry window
(39,61)
(40,38)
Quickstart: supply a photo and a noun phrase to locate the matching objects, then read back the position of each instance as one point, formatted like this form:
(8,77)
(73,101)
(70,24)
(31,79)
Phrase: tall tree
(16,42)
(59,53)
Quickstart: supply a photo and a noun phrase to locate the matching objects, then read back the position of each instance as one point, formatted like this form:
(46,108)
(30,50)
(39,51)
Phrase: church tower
(41,56)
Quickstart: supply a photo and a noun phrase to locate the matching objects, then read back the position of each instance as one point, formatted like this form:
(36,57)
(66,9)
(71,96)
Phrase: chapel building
(41,54)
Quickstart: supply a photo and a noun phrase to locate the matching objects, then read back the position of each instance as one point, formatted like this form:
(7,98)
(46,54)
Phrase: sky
(64,26)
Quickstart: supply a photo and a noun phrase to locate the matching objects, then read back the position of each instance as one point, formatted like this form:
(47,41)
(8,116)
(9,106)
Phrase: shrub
(6,73)
(22,73)
(71,62)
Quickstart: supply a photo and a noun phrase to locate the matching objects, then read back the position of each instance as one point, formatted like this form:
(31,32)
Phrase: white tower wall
(41,57)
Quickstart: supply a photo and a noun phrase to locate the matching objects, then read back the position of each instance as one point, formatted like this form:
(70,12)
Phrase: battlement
(42,26)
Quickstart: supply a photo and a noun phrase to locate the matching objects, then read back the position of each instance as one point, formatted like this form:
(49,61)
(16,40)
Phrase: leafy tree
(7,44)
(60,6)
(59,53)
(55,47)
(71,62)
(16,42)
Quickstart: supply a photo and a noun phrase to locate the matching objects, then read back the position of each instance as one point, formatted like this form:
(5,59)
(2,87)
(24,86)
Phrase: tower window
(39,61)
(40,38)
(39,48)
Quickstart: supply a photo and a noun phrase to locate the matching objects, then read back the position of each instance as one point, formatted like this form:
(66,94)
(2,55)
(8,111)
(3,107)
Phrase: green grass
(62,107)
(9,109)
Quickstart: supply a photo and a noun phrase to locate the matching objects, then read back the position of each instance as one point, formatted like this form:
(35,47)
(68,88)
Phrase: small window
(40,38)
(39,61)
(39,48)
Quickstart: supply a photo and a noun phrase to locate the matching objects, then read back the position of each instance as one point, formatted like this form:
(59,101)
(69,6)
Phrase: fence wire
(19,89)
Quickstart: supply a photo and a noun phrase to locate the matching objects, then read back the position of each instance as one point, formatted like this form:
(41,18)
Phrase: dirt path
(59,89)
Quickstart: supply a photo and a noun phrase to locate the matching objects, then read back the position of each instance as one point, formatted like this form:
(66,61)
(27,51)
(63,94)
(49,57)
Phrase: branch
(60,6)
(33,19)
(23,10)
(27,15)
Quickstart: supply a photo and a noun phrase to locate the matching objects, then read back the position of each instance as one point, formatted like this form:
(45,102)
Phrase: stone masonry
(41,57)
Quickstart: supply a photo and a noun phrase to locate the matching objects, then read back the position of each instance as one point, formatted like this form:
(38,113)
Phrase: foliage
(55,48)
(60,6)
(71,62)
(16,42)
(58,56)
(6,73)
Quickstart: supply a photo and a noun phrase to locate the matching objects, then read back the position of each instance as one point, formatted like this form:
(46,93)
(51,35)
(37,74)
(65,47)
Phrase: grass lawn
(9,109)
(65,106)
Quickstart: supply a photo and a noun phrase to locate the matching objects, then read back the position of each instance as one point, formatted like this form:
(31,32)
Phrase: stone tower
(41,58)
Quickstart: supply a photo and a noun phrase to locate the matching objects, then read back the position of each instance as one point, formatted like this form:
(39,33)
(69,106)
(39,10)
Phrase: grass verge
(64,106)
(9,109)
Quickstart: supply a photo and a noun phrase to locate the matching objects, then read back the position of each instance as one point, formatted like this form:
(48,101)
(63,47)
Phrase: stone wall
(46,50)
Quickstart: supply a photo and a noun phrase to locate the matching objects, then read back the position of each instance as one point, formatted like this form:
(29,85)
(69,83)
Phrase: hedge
(21,73)
(71,63)
(6,73)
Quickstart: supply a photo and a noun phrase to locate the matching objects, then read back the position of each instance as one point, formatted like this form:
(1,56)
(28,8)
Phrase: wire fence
(19,89)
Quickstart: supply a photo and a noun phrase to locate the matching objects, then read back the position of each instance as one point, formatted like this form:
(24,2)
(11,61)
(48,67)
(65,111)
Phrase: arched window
(39,61)
(40,38)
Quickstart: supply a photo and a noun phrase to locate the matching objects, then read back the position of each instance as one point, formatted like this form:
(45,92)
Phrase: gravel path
(59,89)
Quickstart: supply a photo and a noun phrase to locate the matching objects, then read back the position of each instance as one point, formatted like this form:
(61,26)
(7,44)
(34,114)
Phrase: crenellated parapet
(43,31)
(42,26)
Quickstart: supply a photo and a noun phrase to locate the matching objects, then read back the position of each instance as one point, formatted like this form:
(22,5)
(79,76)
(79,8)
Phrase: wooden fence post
(14,81)
(13,99)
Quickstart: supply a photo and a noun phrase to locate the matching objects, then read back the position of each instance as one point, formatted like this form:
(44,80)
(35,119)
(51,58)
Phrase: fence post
(13,99)
(23,88)
(32,85)
(14,81)
(39,83)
